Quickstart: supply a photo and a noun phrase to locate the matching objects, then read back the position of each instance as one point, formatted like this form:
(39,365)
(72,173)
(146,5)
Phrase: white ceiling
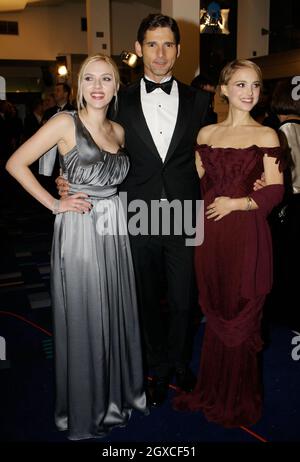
(17,5)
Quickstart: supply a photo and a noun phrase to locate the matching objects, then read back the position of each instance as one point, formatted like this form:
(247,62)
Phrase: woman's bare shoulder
(266,137)
(206,133)
(64,120)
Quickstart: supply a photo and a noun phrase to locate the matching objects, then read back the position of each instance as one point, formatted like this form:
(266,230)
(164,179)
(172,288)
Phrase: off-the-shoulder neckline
(238,149)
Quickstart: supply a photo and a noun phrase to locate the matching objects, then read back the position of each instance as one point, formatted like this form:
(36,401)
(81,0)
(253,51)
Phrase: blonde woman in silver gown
(99,374)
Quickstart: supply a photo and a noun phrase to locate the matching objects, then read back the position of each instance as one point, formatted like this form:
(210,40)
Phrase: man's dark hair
(152,21)
(201,80)
(283,102)
(66,87)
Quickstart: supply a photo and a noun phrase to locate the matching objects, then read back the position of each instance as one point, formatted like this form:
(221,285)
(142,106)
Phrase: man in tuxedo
(62,94)
(161,117)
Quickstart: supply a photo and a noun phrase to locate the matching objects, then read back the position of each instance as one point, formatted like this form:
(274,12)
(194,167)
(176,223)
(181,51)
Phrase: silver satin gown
(99,373)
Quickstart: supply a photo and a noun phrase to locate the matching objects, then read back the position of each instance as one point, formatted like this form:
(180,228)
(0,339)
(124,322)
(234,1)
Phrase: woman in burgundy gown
(234,263)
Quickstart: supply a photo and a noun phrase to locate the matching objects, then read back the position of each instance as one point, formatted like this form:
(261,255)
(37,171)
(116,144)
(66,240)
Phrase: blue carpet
(27,388)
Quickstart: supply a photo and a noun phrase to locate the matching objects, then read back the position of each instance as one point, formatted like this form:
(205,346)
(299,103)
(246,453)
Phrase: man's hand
(259,184)
(62,186)
(75,203)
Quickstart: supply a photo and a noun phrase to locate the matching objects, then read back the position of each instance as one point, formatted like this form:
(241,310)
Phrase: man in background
(62,94)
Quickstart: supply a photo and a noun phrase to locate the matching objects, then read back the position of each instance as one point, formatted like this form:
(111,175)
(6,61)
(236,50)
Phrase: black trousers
(165,261)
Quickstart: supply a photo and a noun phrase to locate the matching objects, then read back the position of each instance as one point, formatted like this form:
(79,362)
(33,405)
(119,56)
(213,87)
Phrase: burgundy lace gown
(234,274)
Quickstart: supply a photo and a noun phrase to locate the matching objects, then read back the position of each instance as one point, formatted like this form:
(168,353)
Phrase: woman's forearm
(243,204)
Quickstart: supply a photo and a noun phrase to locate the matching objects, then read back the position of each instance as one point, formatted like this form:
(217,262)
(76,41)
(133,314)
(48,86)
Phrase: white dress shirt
(291,129)
(160,111)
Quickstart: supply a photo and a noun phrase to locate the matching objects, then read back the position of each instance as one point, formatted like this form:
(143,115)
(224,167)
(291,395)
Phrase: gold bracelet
(249,203)
(56,207)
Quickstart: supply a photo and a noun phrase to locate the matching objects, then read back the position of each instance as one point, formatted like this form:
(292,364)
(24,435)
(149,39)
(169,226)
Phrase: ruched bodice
(87,164)
(232,171)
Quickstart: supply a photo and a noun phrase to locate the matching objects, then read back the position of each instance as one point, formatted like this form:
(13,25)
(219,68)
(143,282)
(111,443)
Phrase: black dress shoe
(158,391)
(185,379)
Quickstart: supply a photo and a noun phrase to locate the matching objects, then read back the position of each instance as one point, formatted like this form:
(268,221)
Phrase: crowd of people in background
(11,130)
(14,129)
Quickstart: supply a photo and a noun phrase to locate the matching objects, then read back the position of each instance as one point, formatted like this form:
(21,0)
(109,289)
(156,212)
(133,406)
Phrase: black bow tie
(165,86)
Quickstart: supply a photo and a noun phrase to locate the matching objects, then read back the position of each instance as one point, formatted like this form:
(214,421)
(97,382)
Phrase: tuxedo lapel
(182,119)
(138,121)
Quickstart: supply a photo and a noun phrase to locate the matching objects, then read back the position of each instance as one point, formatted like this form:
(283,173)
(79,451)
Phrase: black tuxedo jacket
(149,177)
(53,110)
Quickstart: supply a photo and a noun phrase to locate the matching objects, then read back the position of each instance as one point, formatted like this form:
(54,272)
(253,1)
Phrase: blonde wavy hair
(81,103)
